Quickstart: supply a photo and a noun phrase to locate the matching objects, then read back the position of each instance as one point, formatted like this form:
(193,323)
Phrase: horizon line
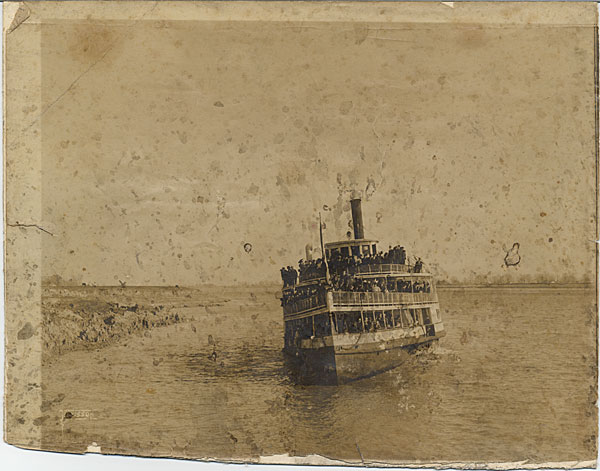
(267,283)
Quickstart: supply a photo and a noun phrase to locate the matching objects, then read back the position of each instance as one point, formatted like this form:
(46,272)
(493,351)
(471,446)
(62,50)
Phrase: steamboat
(356,312)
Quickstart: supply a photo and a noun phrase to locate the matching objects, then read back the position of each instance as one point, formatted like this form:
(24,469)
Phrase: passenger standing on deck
(402,256)
(283,276)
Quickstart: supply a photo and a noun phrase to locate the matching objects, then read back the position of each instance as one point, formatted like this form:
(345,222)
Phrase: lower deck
(339,359)
(374,340)
(350,335)
(335,347)
(362,322)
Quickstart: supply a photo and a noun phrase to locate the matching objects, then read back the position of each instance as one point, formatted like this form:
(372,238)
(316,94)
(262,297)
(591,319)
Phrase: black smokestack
(357,220)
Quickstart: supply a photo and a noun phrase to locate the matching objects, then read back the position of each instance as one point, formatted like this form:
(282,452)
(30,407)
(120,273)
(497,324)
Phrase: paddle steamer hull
(339,359)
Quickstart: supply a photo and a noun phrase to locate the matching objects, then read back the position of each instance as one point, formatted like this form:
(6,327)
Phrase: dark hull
(314,366)
(339,365)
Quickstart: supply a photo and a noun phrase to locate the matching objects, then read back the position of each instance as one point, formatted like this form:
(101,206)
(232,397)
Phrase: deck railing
(349,298)
(384,268)
(366,269)
(305,304)
(312,276)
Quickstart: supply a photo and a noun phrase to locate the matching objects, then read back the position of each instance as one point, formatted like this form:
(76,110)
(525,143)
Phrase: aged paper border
(24,227)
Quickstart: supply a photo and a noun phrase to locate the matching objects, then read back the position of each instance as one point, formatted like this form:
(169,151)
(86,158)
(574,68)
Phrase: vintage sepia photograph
(350,233)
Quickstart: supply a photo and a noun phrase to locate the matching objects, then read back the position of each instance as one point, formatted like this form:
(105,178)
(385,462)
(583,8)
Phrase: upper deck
(374,269)
(353,273)
(351,248)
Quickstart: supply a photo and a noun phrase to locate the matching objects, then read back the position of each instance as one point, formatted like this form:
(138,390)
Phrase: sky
(168,146)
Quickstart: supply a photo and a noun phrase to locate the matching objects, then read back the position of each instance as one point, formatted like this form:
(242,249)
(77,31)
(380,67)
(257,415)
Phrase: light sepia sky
(169,145)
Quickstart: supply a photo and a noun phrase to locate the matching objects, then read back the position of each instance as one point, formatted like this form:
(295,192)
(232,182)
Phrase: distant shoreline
(277,286)
(521,285)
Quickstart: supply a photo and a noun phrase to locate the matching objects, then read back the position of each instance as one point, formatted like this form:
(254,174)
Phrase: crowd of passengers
(341,264)
(341,269)
(353,322)
(346,282)
(303,292)
(289,275)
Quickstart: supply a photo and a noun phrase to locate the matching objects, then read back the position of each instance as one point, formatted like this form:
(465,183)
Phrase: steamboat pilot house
(359,312)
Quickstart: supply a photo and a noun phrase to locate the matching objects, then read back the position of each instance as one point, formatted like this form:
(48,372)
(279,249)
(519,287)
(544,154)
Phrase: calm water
(513,380)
